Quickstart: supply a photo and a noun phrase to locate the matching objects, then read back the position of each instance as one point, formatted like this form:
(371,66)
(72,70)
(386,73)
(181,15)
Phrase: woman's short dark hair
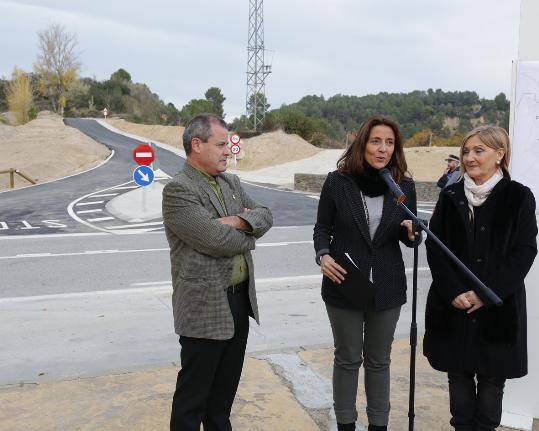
(352,162)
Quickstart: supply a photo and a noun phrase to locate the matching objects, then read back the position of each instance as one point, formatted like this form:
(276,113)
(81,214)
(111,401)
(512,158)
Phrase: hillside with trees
(431,117)
(426,117)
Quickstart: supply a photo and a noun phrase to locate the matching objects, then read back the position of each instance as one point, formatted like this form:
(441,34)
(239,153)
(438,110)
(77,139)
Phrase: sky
(181,48)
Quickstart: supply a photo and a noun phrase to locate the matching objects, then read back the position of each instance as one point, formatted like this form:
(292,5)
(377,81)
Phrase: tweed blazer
(202,250)
(341,226)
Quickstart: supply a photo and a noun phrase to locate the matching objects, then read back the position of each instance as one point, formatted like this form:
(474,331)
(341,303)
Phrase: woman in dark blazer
(489,222)
(356,239)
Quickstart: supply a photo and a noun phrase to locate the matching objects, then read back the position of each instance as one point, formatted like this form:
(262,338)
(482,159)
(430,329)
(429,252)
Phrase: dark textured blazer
(341,226)
(202,250)
(499,247)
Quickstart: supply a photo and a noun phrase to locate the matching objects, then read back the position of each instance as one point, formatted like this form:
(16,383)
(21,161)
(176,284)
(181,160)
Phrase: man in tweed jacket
(211,225)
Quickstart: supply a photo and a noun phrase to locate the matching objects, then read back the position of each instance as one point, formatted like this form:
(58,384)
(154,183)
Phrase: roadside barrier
(12,172)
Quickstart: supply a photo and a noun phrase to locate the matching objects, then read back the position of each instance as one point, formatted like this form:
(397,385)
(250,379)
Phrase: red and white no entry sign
(235,149)
(235,138)
(143,155)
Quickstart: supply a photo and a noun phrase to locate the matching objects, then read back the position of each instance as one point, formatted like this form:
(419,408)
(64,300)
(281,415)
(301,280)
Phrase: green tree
(121,75)
(502,104)
(57,64)
(216,99)
(173,115)
(193,108)
(259,104)
(77,97)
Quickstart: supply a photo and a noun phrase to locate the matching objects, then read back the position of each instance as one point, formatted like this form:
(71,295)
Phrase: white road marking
(90,203)
(71,212)
(83,253)
(104,195)
(127,226)
(292,227)
(99,219)
(50,235)
(90,211)
(279,244)
(425,211)
(151,283)
(33,255)
(124,187)
(28,226)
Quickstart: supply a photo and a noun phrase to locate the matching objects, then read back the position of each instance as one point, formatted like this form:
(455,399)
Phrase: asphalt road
(82,305)
(44,209)
(76,302)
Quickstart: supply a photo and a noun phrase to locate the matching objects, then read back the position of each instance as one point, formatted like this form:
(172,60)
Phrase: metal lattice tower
(257,71)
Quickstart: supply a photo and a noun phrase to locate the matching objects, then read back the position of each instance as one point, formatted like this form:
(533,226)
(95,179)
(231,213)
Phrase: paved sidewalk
(279,391)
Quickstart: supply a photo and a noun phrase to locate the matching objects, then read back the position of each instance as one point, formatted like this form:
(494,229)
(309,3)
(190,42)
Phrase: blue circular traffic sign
(143,175)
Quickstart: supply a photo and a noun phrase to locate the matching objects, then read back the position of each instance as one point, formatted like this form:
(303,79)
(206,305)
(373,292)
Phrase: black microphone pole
(413,334)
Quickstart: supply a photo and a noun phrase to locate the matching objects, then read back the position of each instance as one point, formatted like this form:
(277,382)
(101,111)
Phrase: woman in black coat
(356,238)
(489,222)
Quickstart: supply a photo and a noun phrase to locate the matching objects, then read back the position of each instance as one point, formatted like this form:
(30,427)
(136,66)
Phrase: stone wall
(309,182)
(312,183)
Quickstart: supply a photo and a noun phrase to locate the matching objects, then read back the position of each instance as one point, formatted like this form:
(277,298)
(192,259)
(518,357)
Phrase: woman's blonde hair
(493,137)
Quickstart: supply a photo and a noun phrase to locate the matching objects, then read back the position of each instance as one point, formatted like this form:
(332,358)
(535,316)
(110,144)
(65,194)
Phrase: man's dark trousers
(210,373)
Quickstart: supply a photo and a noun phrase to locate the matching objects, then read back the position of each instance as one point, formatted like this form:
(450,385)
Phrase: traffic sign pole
(235,148)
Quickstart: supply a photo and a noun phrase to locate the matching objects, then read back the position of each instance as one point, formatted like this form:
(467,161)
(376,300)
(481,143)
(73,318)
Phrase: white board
(521,399)
(525,142)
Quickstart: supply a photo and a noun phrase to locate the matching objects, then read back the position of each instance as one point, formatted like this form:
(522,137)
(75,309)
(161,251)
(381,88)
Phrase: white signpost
(235,147)
(521,400)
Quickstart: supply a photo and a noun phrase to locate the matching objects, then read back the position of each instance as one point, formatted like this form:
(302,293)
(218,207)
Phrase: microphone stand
(413,332)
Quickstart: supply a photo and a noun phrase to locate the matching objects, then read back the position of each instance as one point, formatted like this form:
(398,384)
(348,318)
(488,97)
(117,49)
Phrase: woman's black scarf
(370,182)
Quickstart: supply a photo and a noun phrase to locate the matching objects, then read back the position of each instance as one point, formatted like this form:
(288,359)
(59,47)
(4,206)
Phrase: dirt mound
(274,148)
(427,163)
(171,135)
(258,152)
(46,149)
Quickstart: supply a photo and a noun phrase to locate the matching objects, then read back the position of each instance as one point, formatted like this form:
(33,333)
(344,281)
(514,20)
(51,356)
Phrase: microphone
(393,186)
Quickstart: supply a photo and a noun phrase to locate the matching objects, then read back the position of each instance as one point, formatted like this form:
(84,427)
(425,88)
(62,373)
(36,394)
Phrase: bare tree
(57,64)
(19,96)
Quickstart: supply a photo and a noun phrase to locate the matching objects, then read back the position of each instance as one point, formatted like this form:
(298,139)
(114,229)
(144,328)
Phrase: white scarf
(477,195)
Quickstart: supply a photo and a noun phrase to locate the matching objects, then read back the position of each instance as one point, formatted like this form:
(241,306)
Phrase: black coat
(341,226)
(499,246)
